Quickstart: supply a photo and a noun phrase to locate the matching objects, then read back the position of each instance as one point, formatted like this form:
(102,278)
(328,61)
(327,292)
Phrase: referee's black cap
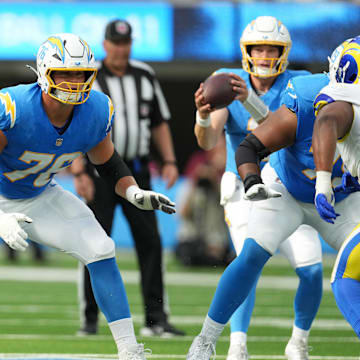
(118,31)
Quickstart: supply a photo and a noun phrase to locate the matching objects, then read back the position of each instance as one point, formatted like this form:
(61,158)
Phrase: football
(218,90)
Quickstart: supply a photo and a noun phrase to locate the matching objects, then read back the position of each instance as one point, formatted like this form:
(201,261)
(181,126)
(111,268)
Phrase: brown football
(218,90)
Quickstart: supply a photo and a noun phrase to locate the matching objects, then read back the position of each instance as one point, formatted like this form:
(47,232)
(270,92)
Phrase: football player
(265,46)
(337,126)
(289,200)
(44,126)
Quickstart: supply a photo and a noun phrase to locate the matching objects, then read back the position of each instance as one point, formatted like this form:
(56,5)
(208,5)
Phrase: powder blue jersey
(295,164)
(36,151)
(240,123)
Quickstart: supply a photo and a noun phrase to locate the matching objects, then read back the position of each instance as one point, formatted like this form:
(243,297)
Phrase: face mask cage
(277,65)
(74,93)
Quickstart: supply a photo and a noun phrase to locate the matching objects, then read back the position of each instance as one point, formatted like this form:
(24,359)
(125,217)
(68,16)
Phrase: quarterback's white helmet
(265,30)
(65,52)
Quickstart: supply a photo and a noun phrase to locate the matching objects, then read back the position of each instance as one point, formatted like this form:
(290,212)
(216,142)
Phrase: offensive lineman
(43,127)
(337,126)
(265,46)
(289,201)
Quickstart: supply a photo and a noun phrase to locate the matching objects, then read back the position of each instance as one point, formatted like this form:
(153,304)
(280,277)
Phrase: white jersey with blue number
(348,145)
(240,123)
(36,151)
(295,164)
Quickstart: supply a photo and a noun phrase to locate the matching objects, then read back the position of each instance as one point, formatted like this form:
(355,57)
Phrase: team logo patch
(121,27)
(59,141)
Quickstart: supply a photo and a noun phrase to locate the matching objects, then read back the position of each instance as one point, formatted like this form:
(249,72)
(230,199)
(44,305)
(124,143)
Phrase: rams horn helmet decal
(349,65)
(344,63)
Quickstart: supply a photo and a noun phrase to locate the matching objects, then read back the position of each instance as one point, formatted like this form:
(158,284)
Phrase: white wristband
(323,182)
(203,122)
(130,193)
(255,106)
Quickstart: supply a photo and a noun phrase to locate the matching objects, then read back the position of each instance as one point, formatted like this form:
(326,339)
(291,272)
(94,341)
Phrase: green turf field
(41,317)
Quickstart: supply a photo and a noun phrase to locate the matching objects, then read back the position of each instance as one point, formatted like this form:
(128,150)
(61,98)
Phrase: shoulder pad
(320,101)
(308,86)
(7,111)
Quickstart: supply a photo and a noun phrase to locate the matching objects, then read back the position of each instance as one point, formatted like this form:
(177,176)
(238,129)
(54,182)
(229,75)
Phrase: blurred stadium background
(184,41)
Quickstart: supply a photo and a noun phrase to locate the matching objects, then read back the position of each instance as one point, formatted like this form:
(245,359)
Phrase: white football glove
(259,192)
(227,187)
(149,200)
(11,232)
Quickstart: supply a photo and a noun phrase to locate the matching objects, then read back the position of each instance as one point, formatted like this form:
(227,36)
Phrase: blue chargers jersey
(295,164)
(240,123)
(36,151)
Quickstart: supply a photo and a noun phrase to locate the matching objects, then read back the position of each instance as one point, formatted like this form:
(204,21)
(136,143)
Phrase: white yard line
(154,356)
(19,273)
(257,339)
(256,321)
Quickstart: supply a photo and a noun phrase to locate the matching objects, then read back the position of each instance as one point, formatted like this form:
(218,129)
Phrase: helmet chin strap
(74,97)
(67,97)
(263,71)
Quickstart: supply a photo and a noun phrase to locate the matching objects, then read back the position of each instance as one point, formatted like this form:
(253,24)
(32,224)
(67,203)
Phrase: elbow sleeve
(251,150)
(113,170)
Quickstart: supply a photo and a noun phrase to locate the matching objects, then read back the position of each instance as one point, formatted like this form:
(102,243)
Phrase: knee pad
(101,249)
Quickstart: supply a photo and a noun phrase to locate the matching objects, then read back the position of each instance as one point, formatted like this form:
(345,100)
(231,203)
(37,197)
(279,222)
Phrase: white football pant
(301,246)
(64,222)
(274,220)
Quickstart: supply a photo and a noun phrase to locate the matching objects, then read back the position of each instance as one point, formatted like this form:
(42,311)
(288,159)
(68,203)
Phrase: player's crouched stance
(337,127)
(43,127)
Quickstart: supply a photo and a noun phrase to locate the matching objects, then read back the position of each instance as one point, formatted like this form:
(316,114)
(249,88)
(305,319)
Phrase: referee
(141,116)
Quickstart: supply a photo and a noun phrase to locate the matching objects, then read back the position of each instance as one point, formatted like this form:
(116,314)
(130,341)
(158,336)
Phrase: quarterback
(287,202)
(337,127)
(265,45)
(44,126)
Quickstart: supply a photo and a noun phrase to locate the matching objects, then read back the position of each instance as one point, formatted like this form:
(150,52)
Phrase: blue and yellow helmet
(345,64)
(349,65)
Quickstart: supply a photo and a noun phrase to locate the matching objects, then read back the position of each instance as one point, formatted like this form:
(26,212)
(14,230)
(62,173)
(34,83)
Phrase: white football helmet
(265,30)
(65,52)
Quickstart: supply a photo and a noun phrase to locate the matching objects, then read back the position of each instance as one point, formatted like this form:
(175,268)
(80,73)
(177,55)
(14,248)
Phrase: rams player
(289,200)
(265,45)
(43,127)
(337,126)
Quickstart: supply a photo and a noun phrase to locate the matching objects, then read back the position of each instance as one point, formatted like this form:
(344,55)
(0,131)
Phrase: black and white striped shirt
(139,105)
